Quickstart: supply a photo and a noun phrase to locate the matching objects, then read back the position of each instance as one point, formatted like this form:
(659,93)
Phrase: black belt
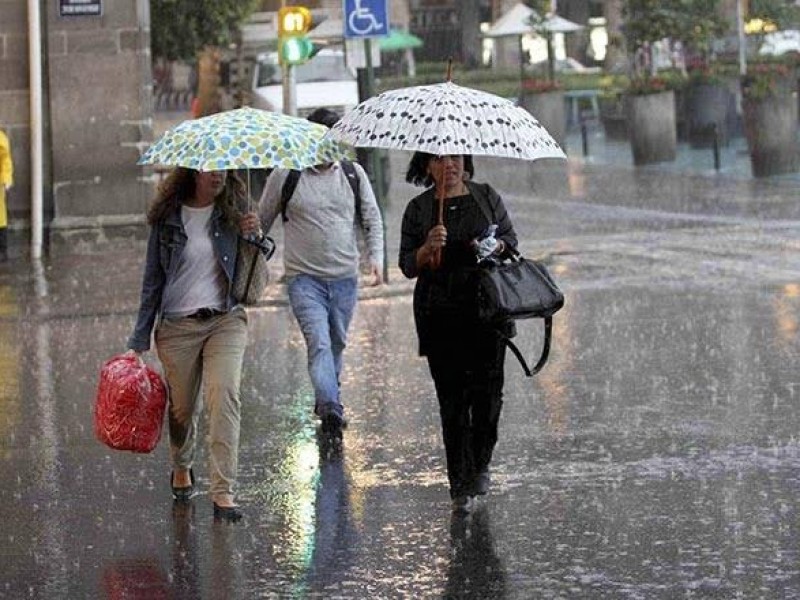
(205,313)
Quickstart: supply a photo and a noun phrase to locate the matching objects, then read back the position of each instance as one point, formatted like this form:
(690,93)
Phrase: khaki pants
(208,351)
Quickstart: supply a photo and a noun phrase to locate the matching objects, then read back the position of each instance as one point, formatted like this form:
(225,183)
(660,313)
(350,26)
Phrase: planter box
(707,107)
(770,125)
(549,110)
(651,127)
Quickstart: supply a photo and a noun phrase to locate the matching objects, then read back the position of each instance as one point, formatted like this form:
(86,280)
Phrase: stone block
(101,42)
(117,192)
(120,13)
(15,16)
(57,43)
(16,48)
(13,74)
(14,107)
(132,40)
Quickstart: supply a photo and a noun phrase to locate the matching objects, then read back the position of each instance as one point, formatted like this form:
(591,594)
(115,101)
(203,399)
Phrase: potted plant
(650,107)
(649,98)
(769,110)
(709,102)
(707,96)
(544,99)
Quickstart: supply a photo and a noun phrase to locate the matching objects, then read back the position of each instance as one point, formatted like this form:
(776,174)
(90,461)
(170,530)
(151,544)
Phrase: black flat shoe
(182,494)
(231,514)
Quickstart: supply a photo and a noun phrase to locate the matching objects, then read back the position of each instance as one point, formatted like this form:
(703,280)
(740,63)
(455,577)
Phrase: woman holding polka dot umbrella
(445,125)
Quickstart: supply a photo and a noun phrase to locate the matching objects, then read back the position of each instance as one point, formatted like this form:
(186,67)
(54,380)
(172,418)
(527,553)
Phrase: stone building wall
(97,116)
(14,99)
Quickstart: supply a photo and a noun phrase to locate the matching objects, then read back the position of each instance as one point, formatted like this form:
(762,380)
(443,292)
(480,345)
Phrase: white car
(323,82)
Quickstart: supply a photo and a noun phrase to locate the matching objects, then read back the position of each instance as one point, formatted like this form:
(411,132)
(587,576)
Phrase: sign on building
(80,8)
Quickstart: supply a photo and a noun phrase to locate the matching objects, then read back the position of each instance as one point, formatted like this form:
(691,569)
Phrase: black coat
(445,298)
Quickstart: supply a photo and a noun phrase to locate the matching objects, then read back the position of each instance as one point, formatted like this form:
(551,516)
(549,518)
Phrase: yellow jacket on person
(6,176)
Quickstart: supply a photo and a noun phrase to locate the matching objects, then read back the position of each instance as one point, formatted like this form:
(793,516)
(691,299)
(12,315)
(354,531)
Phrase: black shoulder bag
(516,288)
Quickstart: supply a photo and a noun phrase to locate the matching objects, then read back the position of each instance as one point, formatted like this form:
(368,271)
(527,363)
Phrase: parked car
(324,81)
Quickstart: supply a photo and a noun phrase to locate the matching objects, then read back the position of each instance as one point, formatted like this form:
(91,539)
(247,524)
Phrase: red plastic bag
(130,404)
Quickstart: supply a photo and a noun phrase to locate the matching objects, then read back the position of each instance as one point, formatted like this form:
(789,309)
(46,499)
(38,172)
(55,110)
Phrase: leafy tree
(179,29)
(694,22)
(195,30)
(538,22)
(703,22)
(781,13)
(648,21)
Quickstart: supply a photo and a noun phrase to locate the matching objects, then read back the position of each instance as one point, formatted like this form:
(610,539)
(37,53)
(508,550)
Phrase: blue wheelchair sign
(366,18)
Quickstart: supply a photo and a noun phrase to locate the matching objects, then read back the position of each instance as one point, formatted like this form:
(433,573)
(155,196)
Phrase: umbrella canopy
(446,118)
(399,39)
(244,138)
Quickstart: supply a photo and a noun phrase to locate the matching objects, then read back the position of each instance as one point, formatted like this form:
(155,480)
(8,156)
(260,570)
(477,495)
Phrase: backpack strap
(355,183)
(289,186)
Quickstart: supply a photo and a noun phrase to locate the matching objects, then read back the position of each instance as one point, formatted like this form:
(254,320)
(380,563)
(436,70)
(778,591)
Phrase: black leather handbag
(518,288)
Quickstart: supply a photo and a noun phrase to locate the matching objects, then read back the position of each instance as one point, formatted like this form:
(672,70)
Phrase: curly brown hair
(180,185)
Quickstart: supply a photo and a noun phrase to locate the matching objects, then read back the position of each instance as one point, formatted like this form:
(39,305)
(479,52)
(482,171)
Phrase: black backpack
(290,184)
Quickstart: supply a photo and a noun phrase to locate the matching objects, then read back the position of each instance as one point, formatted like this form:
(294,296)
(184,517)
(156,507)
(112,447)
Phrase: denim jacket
(164,247)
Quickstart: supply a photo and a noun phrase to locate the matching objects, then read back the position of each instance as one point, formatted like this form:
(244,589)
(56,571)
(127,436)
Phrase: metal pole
(742,37)
(374,157)
(289,91)
(715,130)
(36,126)
(584,137)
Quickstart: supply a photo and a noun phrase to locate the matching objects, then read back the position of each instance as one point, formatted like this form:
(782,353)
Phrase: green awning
(399,40)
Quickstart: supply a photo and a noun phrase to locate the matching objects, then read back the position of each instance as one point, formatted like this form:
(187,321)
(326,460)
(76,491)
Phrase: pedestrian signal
(294,47)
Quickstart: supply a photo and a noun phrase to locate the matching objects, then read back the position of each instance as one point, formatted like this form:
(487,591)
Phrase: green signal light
(296,50)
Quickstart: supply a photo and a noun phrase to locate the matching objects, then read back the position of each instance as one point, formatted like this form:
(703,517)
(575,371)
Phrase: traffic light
(294,47)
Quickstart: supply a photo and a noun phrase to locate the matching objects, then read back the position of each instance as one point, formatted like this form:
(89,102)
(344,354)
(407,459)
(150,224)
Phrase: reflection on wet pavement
(656,456)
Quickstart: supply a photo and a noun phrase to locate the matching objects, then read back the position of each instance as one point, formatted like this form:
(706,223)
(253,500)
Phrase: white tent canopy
(517,22)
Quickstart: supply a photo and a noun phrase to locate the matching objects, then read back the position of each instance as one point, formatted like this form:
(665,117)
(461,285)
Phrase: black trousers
(467,370)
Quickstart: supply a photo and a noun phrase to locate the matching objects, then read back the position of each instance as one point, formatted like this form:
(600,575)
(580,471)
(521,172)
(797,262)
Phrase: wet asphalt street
(655,457)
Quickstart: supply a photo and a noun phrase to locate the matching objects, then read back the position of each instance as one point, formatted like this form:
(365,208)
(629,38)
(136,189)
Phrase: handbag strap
(548,327)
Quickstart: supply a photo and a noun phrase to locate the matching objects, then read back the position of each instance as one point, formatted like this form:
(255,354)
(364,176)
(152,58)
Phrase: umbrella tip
(450,69)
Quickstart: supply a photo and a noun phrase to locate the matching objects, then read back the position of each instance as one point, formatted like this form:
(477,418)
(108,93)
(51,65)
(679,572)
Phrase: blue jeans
(323,310)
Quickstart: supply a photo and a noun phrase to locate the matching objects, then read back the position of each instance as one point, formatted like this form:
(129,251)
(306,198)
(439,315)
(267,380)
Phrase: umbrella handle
(436,259)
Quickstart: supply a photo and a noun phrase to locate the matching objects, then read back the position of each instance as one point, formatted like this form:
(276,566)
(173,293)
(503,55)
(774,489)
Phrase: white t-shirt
(199,281)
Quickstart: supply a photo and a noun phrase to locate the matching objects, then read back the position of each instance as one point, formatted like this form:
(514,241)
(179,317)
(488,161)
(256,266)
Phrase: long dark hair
(180,185)
(418,168)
